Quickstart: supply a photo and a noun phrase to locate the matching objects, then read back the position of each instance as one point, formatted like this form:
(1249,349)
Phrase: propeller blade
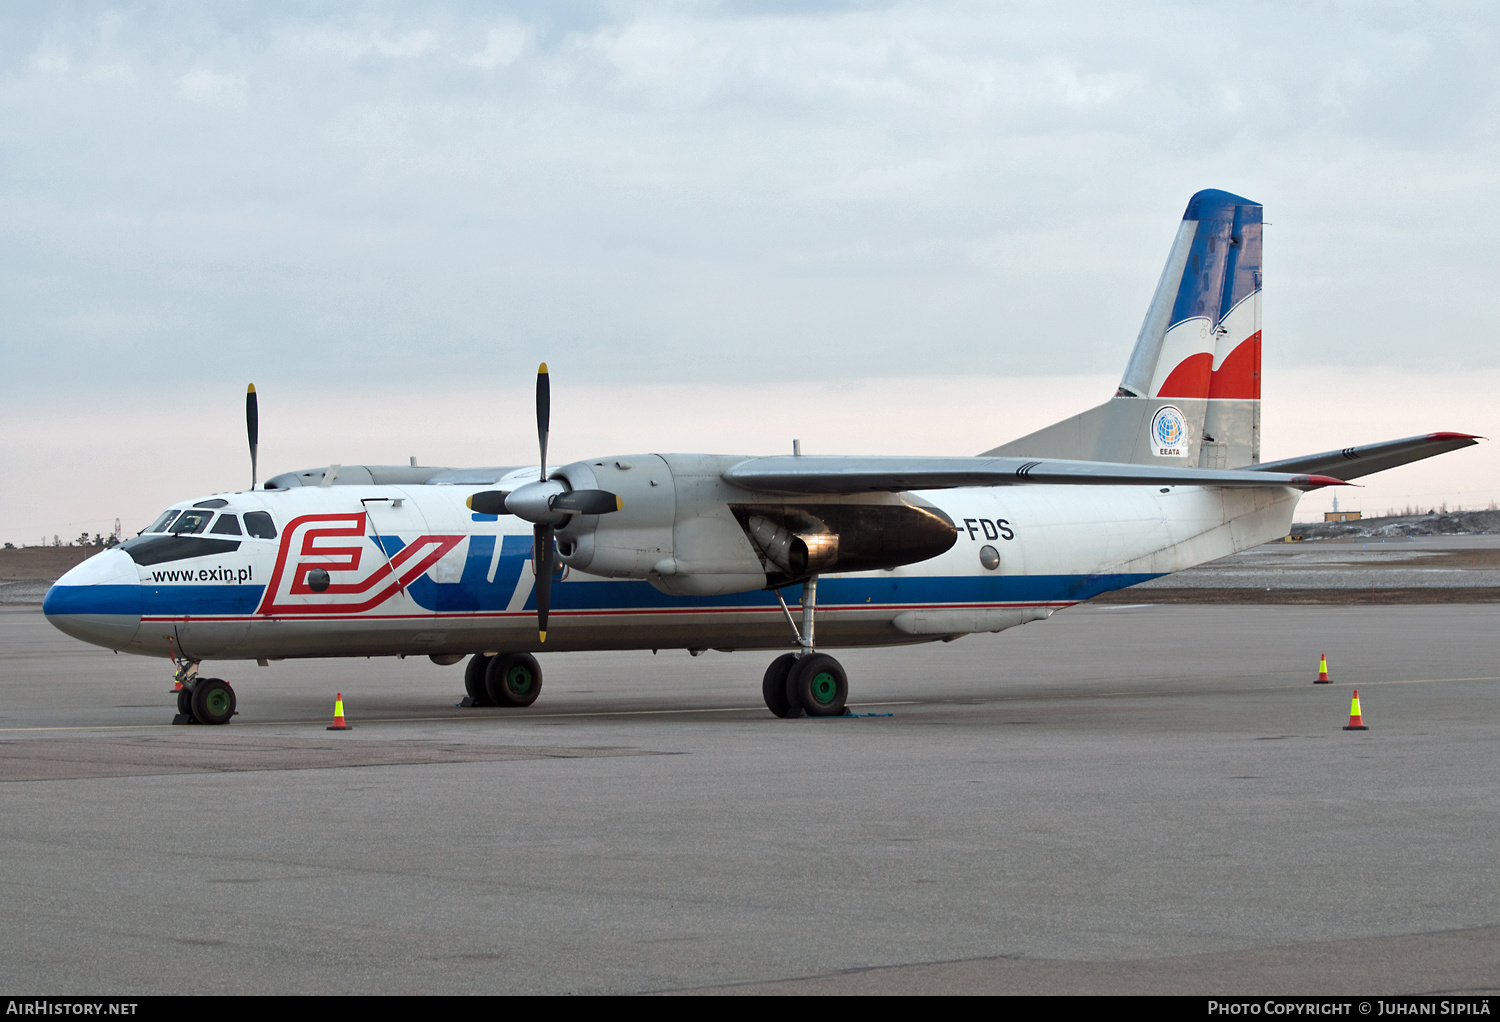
(490,502)
(543,413)
(252,428)
(587,502)
(543,559)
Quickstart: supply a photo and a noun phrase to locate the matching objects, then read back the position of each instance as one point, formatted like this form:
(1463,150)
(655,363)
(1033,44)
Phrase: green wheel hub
(518,679)
(824,687)
(217,702)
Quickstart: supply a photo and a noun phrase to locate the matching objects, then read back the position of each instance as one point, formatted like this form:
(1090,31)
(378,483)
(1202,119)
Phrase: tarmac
(1121,799)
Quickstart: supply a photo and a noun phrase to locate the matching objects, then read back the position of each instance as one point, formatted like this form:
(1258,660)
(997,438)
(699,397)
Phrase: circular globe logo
(1169,432)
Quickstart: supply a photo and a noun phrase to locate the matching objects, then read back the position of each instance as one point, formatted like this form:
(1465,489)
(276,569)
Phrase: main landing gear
(502,679)
(806,681)
(202,700)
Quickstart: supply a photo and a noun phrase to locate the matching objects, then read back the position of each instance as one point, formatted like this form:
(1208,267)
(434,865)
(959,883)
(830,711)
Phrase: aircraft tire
(818,685)
(474,680)
(513,679)
(213,701)
(185,701)
(773,686)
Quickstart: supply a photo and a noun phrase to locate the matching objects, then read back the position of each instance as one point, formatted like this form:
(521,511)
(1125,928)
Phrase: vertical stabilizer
(1191,390)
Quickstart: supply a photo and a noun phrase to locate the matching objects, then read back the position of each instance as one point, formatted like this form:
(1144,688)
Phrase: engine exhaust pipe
(794,553)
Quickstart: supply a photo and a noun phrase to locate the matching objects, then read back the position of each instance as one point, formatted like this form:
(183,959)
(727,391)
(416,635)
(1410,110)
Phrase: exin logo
(1169,434)
(327,563)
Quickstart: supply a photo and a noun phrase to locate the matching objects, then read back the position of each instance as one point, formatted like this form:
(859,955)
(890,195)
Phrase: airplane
(699,551)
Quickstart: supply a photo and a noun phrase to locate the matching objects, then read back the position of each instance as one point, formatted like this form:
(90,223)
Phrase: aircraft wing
(828,474)
(1353,462)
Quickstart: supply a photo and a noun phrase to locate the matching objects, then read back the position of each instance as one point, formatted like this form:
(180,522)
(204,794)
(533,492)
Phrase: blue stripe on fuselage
(474,593)
(188,601)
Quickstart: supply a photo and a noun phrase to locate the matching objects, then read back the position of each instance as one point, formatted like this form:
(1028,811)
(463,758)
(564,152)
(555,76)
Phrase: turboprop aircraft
(698,551)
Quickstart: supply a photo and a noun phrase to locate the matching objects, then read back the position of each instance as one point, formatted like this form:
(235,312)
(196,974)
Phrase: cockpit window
(190,522)
(259,524)
(227,525)
(160,525)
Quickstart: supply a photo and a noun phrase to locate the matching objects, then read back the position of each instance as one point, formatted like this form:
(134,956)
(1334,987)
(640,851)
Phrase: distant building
(1340,516)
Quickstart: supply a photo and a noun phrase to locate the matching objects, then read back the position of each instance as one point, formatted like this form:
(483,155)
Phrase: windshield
(160,525)
(190,522)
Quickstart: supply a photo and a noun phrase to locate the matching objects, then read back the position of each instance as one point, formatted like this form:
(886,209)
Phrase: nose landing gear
(203,700)
(805,682)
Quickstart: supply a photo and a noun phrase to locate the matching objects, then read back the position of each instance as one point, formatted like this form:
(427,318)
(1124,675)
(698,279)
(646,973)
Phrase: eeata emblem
(1169,434)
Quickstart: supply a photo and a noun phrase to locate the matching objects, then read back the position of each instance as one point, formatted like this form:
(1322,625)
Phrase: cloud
(712,194)
(204,86)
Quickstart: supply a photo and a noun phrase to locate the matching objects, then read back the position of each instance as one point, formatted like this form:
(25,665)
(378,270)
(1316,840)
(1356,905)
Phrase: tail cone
(338,715)
(1356,722)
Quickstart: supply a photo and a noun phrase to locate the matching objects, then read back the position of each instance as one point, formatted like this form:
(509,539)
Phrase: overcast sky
(381,209)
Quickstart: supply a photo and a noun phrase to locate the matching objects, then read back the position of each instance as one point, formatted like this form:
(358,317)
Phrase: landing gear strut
(806,681)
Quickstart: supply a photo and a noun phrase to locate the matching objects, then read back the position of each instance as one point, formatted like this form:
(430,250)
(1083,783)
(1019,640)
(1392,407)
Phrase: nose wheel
(208,701)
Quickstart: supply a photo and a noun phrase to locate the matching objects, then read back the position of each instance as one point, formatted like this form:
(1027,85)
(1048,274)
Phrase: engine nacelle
(690,533)
(675,528)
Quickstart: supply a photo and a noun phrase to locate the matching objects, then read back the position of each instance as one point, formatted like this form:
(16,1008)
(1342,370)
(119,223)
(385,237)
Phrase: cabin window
(227,525)
(259,524)
(191,522)
(160,525)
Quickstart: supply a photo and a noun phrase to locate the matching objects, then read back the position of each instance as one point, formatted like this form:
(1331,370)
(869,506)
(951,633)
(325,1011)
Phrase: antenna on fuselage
(252,428)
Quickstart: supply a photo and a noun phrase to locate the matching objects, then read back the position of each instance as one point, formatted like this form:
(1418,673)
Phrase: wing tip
(1439,437)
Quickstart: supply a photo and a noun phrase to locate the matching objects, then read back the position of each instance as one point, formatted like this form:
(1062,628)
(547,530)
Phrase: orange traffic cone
(1323,670)
(338,715)
(178,687)
(1356,722)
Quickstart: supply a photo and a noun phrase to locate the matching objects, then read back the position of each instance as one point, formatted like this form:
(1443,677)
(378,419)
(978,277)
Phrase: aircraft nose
(99,601)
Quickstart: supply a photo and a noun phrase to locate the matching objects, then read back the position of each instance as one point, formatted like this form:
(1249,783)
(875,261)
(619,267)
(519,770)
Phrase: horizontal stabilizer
(1353,462)
(828,475)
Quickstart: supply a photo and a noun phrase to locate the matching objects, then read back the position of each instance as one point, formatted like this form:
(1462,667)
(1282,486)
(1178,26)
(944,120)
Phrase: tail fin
(1191,391)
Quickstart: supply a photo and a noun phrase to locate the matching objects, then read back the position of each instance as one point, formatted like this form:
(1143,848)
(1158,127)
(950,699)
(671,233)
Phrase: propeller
(252,428)
(543,548)
(490,502)
(546,504)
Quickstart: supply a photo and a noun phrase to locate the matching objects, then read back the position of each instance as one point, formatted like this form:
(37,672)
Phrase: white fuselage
(410,570)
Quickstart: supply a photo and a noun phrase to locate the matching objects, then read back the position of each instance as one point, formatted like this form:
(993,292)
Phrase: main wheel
(213,701)
(185,701)
(474,679)
(513,679)
(773,687)
(817,684)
